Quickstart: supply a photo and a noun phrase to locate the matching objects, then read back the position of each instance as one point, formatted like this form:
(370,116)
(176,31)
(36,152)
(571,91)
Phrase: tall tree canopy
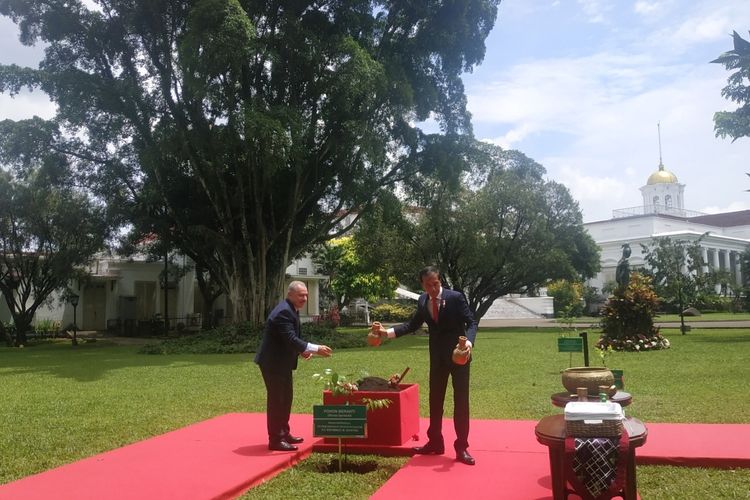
(735,124)
(248,127)
(49,229)
(502,229)
(348,277)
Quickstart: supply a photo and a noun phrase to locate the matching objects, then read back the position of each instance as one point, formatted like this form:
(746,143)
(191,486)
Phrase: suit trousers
(279,395)
(440,370)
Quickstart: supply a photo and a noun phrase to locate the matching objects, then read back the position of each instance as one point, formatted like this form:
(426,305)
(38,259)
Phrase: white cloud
(712,26)
(683,27)
(511,138)
(596,194)
(595,10)
(644,7)
(26,105)
(606,107)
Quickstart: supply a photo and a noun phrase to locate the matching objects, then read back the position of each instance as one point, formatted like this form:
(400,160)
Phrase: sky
(580,86)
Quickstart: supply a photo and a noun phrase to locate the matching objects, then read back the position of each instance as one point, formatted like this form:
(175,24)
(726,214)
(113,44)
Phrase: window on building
(668,201)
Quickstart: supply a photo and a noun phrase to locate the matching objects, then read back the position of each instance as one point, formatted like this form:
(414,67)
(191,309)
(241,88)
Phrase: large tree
(49,229)
(502,229)
(735,124)
(677,269)
(348,277)
(252,125)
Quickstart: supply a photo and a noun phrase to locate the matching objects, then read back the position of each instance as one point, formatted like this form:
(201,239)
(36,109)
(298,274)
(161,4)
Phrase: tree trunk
(22,323)
(252,299)
(483,306)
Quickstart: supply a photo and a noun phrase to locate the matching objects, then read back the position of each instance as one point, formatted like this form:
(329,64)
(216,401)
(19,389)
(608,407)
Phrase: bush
(233,338)
(628,318)
(567,297)
(392,312)
(715,303)
(246,337)
(8,333)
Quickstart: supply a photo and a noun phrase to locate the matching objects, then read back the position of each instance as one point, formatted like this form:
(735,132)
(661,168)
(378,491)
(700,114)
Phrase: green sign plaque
(340,421)
(569,344)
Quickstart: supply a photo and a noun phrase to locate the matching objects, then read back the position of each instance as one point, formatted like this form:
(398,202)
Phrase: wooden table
(550,431)
(560,399)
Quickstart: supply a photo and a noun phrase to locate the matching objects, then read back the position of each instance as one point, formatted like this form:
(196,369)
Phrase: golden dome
(662,176)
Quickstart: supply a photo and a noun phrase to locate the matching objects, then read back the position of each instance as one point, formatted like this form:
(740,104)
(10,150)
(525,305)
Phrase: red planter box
(392,426)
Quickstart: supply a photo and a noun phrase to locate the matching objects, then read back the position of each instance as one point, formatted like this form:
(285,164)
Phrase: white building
(663,215)
(123,294)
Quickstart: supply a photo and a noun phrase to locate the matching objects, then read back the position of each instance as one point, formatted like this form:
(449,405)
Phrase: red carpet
(224,456)
(214,459)
(696,445)
(510,465)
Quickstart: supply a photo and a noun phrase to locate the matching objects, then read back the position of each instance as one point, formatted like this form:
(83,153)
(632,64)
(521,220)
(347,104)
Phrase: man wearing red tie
(448,317)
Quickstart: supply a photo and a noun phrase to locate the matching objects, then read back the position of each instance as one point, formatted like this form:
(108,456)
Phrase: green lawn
(722,316)
(60,404)
(670,318)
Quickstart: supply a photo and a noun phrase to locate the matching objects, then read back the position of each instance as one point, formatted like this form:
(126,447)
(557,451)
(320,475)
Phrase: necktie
(435,309)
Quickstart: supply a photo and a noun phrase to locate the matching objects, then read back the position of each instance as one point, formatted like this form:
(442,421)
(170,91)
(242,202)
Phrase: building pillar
(704,257)
(684,267)
(716,268)
(738,268)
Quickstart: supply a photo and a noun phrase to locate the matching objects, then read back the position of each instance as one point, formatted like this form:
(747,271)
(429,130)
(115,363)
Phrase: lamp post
(74,302)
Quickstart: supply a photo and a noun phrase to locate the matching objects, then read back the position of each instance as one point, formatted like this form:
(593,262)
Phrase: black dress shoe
(429,449)
(293,439)
(281,446)
(464,457)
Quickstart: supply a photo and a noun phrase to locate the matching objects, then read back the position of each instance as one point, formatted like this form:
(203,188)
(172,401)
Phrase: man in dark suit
(277,358)
(448,317)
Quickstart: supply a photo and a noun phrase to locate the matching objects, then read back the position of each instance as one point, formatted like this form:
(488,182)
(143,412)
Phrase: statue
(622,274)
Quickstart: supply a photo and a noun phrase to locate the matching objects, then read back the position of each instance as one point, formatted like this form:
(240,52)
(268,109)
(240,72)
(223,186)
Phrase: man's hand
(378,329)
(324,351)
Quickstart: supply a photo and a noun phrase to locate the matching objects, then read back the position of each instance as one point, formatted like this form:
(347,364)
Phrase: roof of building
(726,219)
(662,176)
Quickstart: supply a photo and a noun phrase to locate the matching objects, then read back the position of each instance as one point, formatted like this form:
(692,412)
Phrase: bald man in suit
(277,357)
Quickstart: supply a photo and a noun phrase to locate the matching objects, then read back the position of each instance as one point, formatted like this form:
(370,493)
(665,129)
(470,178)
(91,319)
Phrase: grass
(60,404)
(672,318)
(717,316)
(307,481)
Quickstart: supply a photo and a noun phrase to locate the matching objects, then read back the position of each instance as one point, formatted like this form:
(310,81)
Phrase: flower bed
(637,342)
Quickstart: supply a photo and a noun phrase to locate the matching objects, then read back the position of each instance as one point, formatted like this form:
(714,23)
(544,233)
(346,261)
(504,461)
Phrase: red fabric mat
(224,456)
(506,475)
(696,445)
(214,459)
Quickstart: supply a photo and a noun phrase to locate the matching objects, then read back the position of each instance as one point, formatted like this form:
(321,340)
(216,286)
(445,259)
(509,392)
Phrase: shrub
(322,334)
(246,337)
(392,312)
(628,318)
(567,297)
(233,338)
(47,328)
(715,303)
(8,332)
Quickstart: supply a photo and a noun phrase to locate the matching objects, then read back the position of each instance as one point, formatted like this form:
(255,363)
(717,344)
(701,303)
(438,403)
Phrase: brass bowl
(590,378)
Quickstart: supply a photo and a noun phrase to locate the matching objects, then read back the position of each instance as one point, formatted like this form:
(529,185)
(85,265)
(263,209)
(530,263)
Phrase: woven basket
(605,428)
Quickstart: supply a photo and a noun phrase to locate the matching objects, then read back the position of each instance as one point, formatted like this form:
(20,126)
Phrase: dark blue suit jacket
(454,320)
(281,344)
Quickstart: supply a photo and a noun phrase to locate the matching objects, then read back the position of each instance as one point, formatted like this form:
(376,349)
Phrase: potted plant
(392,413)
